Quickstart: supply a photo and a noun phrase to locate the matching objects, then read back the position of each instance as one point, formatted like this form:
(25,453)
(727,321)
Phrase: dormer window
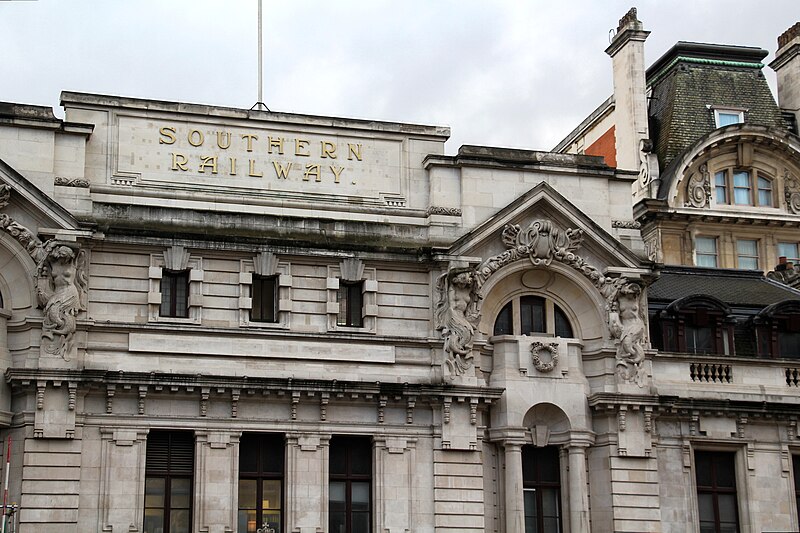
(696,324)
(778,330)
(736,187)
(725,117)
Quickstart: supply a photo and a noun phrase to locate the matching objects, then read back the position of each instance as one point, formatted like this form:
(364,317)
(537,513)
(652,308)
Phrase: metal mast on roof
(260,105)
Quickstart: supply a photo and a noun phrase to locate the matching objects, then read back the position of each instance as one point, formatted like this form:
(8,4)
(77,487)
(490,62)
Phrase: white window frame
(738,111)
(716,250)
(740,255)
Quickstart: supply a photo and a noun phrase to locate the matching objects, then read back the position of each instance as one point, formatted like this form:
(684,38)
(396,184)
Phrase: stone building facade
(219,320)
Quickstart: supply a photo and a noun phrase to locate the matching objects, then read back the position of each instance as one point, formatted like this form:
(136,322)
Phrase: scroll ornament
(792,193)
(698,191)
(61,282)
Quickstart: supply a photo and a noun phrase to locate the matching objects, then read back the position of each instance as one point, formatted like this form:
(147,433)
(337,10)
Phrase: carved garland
(544,366)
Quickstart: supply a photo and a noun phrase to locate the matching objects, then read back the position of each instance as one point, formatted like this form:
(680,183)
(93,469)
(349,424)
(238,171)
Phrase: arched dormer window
(737,187)
(697,324)
(532,315)
(778,330)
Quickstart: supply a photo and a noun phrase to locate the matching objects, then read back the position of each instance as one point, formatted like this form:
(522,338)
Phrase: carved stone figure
(698,190)
(456,316)
(61,291)
(791,193)
(628,328)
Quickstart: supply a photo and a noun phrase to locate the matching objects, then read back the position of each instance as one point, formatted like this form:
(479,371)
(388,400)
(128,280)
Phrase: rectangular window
(796,468)
(742,188)
(715,473)
(764,192)
(541,481)
(726,117)
(265,299)
(261,460)
(351,304)
(706,251)
(174,293)
(747,254)
(532,315)
(721,187)
(169,469)
(789,251)
(350,500)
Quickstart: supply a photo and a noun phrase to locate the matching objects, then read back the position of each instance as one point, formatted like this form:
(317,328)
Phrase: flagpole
(260,105)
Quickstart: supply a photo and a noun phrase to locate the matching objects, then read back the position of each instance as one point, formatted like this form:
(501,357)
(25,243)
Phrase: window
(715,473)
(778,330)
(168,482)
(789,251)
(697,324)
(261,460)
(747,254)
(350,299)
(706,251)
(174,294)
(741,183)
(541,481)
(537,315)
(265,299)
(796,468)
(726,117)
(350,485)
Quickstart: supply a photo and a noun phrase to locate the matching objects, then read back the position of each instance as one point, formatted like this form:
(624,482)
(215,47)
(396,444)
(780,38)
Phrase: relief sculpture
(456,316)
(628,328)
(61,291)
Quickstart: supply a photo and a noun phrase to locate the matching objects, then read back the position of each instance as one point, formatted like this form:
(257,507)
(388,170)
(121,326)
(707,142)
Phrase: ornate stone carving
(176,258)
(625,224)
(544,366)
(439,210)
(352,269)
(648,166)
(62,290)
(652,247)
(265,264)
(791,187)
(71,182)
(627,326)
(456,315)
(698,190)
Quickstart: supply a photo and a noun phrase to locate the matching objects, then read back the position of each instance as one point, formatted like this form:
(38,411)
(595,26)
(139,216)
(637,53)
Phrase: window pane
(154,492)
(721,188)
(271,494)
(706,245)
(180,494)
(742,188)
(179,521)
(502,325)
(532,314)
(336,494)
(167,287)
(726,119)
(337,522)
(247,493)
(272,520)
(248,454)
(747,247)
(747,253)
(563,327)
(531,525)
(247,520)
(764,191)
(360,496)
(153,520)
(360,454)
(360,523)
(699,340)
(550,503)
(182,295)
(788,250)
(727,508)
(705,506)
(789,344)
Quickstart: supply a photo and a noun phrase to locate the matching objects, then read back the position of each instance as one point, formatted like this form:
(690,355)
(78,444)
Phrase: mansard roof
(691,79)
(735,288)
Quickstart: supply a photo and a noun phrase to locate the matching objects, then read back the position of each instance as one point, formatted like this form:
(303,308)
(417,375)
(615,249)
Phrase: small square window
(174,293)
(747,254)
(351,303)
(726,117)
(706,251)
(265,299)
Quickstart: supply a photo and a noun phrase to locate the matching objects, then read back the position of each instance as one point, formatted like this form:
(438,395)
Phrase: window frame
(169,297)
(369,311)
(152,472)
(698,254)
(350,297)
(536,485)
(794,260)
(268,302)
(263,442)
(353,444)
(512,310)
(714,489)
(740,254)
(718,111)
(725,186)
(697,311)
(194,266)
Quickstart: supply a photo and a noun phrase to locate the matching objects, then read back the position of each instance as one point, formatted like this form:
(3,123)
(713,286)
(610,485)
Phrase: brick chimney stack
(787,66)
(630,101)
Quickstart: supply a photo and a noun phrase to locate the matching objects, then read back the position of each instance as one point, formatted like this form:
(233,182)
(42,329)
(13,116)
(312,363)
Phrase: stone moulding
(626,224)
(542,242)
(72,182)
(439,210)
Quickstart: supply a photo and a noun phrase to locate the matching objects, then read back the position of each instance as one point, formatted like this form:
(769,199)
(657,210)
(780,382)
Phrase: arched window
(696,324)
(736,187)
(778,330)
(532,315)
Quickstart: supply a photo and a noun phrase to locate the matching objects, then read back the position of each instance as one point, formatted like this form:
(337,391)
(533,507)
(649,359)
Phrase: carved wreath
(544,366)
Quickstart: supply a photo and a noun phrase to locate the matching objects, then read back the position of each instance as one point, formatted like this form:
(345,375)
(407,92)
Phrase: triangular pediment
(29,206)
(543,202)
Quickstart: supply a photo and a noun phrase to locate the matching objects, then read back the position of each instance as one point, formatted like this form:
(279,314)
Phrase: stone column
(306,482)
(216,480)
(515,503)
(578,496)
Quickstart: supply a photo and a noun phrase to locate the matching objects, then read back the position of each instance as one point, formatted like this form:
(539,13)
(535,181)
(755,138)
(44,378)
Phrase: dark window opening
(716,492)
(541,481)
(796,469)
(351,302)
(169,469)
(261,467)
(350,494)
(563,327)
(532,314)
(504,324)
(174,293)
(265,299)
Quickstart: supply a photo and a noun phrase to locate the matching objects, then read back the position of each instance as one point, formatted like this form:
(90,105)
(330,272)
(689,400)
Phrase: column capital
(509,435)
(580,439)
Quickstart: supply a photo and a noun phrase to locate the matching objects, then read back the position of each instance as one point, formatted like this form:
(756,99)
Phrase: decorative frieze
(447,211)
(71,182)
(625,224)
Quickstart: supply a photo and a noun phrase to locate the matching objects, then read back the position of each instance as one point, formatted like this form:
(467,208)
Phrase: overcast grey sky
(500,73)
